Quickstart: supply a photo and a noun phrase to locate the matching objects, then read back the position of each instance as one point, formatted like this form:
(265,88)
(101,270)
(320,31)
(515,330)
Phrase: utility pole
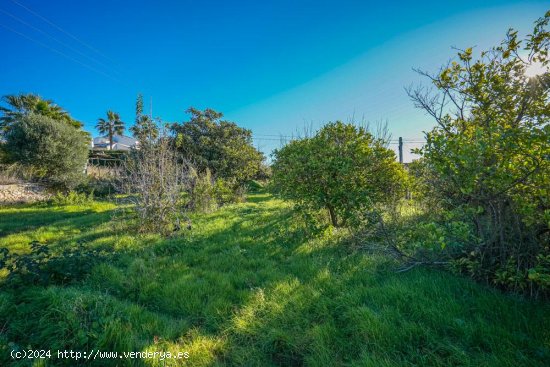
(401,150)
(151,108)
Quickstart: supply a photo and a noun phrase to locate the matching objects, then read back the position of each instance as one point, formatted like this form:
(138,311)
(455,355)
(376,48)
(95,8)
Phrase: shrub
(155,179)
(72,198)
(202,194)
(53,151)
(44,267)
(99,187)
(342,169)
(206,193)
(487,162)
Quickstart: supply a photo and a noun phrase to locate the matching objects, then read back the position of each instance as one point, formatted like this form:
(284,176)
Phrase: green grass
(248,287)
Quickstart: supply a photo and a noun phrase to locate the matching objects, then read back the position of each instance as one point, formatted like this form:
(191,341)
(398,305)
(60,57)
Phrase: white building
(120,142)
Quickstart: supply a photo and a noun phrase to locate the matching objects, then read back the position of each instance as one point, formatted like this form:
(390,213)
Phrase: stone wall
(22,193)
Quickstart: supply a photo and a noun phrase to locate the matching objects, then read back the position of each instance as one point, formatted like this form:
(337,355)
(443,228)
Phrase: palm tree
(113,125)
(23,104)
(145,129)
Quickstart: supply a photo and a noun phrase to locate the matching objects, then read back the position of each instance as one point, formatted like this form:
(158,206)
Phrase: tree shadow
(30,217)
(251,287)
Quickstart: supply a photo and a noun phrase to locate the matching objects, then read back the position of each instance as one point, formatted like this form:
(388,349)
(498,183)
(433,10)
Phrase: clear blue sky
(271,66)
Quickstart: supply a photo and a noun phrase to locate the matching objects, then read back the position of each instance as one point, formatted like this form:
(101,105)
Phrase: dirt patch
(22,193)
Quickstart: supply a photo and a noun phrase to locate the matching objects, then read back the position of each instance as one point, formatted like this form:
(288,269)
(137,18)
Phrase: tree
(52,150)
(145,129)
(342,169)
(489,155)
(111,126)
(19,105)
(218,145)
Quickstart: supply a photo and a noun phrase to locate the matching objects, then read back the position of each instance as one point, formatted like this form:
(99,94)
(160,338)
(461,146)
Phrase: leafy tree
(52,150)
(218,145)
(342,169)
(488,158)
(144,129)
(110,126)
(23,104)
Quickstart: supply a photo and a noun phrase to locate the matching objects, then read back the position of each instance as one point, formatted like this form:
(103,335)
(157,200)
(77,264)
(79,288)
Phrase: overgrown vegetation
(486,167)
(155,178)
(267,282)
(482,187)
(248,286)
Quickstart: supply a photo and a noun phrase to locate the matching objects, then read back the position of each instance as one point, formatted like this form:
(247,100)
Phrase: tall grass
(248,287)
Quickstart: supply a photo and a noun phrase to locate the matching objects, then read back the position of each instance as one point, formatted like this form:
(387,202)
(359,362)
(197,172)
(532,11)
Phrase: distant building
(120,142)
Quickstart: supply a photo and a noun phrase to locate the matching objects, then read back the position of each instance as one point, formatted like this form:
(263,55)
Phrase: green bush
(227,191)
(52,150)
(72,198)
(342,169)
(207,193)
(224,148)
(42,266)
(98,187)
(202,192)
(486,162)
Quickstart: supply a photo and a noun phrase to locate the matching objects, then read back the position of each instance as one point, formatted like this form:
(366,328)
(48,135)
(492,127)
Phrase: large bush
(155,178)
(52,150)
(487,161)
(224,148)
(342,169)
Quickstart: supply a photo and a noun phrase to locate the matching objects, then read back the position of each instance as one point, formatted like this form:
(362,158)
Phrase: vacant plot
(249,286)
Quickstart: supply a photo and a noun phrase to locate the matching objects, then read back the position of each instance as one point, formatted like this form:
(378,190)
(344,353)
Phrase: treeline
(40,141)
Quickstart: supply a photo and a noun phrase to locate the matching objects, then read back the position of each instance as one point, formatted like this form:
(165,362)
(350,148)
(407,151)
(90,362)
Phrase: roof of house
(120,142)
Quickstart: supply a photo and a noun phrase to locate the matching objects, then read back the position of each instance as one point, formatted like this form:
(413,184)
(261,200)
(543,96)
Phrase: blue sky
(271,66)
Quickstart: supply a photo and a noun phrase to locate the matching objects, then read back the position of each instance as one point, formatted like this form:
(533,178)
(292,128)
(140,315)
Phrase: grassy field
(247,287)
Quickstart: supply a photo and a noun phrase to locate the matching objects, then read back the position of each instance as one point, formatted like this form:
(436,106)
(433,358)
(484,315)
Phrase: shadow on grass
(247,286)
(259,198)
(24,220)
(28,217)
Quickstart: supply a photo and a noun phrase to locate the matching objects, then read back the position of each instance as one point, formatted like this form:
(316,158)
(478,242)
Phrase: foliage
(72,198)
(264,172)
(250,287)
(10,173)
(155,178)
(224,148)
(343,169)
(23,104)
(42,267)
(145,129)
(207,193)
(202,195)
(110,126)
(487,159)
(99,187)
(52,150)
